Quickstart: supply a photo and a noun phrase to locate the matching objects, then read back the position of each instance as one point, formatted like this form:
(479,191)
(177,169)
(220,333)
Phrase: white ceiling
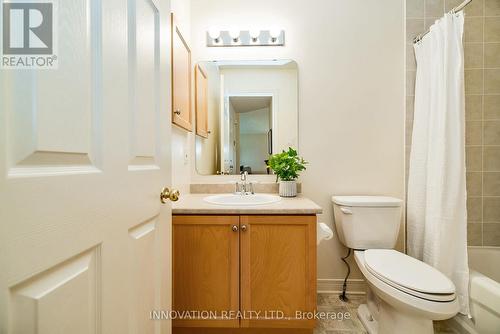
(243,104)
(280,63)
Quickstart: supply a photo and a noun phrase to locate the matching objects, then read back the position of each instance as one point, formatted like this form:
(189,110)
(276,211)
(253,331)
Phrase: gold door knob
(166,194)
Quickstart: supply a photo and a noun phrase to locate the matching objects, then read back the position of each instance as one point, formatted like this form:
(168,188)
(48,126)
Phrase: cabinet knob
(243,228)
(177,111)
(235,228)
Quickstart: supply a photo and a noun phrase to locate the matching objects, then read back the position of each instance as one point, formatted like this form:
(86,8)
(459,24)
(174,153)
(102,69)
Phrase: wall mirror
(245,111)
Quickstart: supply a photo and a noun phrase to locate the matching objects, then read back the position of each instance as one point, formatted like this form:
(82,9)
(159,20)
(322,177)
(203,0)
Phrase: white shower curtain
(436,212)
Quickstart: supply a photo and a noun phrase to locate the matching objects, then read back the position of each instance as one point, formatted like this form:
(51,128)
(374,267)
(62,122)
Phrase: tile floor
(330,302)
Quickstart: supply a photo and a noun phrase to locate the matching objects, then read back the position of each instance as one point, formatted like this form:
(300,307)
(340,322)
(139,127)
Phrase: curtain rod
(453,11)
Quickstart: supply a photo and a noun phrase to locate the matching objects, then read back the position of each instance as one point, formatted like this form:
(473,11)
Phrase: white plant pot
(288,188)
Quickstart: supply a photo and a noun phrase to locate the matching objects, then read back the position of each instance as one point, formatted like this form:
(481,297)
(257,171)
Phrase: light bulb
(214,34)
(275,33)
(235,34)
(254,34)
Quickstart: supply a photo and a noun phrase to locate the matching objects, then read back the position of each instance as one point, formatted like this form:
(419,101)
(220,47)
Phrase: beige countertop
(194,204)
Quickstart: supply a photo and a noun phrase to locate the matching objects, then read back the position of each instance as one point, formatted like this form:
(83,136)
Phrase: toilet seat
(409,275)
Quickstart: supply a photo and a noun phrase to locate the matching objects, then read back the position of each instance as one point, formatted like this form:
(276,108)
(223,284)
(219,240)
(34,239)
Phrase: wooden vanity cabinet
(278,268)
(205,268)
(266,264)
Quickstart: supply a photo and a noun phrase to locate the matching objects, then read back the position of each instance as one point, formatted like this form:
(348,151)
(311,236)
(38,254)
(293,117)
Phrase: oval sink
(238,200)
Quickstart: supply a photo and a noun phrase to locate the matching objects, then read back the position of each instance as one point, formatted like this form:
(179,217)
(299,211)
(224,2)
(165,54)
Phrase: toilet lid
(408,273)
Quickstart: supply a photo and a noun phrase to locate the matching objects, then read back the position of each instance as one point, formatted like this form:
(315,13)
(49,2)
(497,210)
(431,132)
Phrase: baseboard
(354,286)
(461,324)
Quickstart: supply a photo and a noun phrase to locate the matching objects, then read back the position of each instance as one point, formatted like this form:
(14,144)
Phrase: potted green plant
(287,165)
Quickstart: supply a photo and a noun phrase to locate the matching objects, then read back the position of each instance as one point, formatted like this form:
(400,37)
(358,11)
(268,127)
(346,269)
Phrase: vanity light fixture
(235,35)
(275,34)
(214,34)
(254,35)
(251,37)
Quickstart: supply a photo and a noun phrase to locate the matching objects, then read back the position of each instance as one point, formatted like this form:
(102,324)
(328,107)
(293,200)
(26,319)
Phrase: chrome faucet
(245,187)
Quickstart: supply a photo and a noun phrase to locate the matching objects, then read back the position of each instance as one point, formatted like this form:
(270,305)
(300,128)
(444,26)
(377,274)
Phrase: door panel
(70,291)
(85,241)
(45,137)
(206,268)
(143,88)
(278,268)
(143,243)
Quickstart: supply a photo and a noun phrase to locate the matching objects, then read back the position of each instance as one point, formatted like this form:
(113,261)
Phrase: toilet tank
(364,222)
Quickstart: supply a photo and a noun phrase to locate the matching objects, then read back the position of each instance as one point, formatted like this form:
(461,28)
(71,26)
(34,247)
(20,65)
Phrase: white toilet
(404,294)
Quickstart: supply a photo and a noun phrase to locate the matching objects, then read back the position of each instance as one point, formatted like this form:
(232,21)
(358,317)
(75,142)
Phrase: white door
(84,153)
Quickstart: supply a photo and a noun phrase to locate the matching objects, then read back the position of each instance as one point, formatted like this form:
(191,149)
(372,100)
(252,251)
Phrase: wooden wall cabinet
(181,79)
(248,263)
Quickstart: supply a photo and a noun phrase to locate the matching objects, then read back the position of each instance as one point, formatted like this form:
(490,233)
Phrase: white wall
(181,140)
(255,121)
(350,56)
(253,150)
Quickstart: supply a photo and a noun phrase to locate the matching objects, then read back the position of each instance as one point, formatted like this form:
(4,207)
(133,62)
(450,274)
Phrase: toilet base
(392,321)
(369,323)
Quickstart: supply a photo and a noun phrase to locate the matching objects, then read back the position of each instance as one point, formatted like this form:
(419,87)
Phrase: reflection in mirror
(245,111)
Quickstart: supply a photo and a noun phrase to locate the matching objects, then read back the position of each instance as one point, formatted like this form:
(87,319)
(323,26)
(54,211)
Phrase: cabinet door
(201,103)
(181,79)
(206,268)
(278,269)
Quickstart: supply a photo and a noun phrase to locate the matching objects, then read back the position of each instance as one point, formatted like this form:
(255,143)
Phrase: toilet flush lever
(346,211)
